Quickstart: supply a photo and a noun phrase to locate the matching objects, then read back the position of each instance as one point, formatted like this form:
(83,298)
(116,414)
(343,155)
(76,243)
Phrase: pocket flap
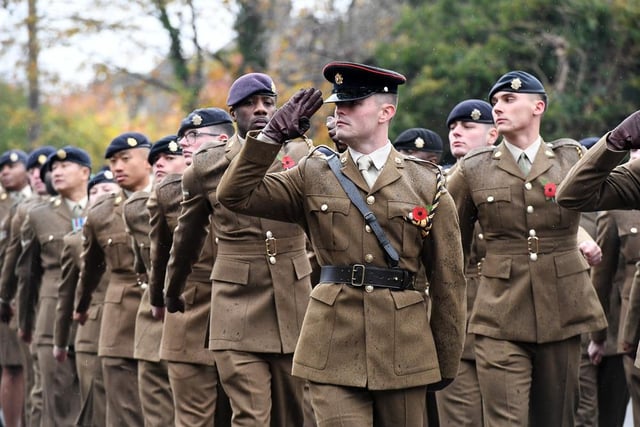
(301,265)
(326,293)
(399,209)
(406,298)
(328,204)
(570,263)
(502,194)
(114,293)
(497,266)
(232,271)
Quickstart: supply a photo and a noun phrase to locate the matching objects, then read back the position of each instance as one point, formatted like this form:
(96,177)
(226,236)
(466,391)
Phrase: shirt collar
(530,151)
(378,157)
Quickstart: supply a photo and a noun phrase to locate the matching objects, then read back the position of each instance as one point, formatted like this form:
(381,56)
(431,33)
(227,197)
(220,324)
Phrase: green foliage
(14,113)
(585,52)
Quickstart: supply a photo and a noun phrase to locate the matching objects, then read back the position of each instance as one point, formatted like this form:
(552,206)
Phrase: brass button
(497,154)
(144,286)
(109,241)
(368,258)
(490,199)
(269,234)
(533,257)
(398,160)
(368,288)
(532,233)
(343,160)
(272,260)
(480,236)
(50,237)
(371,200)
(324,207)
(57,202)
(528,186)
(367,228)
(216,239)
(529,209)
(634,230)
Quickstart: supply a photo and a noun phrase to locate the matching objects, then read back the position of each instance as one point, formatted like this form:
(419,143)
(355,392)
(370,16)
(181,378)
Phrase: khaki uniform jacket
(534,284)
(148,331)
(619,238)
(108,246)
(260,291)
(42,236)
(184,335)
(381,339)
(599,182)
(86,335)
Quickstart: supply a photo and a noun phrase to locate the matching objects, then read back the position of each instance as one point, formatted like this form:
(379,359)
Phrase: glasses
(191,137)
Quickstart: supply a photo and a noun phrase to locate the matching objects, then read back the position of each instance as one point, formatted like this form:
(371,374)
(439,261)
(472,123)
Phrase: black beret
(65,154)
(104,175)
(471,110)
(13,156)
(418,139)
(519,82)
(589,142)
(126,141)
(167,145)
(39,156)
(203,117)
(353,81)
(250,84)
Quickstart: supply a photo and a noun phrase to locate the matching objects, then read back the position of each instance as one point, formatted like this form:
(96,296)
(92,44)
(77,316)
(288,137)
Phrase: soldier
(425,144)
(92,395)
(535,297)
(42,239)
(471,126)
(165,157)
(192,372)
(15,357)
(261,273)
(367,345)
(107,245)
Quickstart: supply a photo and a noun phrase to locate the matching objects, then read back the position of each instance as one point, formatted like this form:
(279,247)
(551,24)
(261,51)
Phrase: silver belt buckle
(357,275)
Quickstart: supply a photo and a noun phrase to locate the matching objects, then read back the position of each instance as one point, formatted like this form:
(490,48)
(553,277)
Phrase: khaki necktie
(76,211)
(524,163)
(367,169)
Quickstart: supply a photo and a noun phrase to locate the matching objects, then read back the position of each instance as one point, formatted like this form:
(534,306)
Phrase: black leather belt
(359,275)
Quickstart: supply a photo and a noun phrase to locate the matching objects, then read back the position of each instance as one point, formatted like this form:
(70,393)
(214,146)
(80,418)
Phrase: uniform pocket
(492,203)
(398,227)
(329,214)
(498,267)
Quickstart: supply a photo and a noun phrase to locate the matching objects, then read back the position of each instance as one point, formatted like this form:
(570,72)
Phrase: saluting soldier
(198,398)
(261,273)
(471,126)
(367,345)
(88,366)
(42,238)
(535,297)
(156,397)
(107,245)
(15,358)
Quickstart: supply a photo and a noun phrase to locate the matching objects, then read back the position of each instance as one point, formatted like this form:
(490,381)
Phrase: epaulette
(322,150)
(480,151)
(110,198)
(4,195)
(566,142)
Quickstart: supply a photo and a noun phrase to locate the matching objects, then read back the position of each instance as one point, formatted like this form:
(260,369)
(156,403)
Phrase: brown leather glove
(627,134)
(292,119)
(6,312)
(174,304)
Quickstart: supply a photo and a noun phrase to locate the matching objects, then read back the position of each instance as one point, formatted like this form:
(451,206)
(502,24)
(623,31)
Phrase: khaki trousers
(121,387)
(155,393)
(93,406)
(460,403)
(526,384)
(338,406)
(61,394)
(261,389)
(198,398)
(34,403)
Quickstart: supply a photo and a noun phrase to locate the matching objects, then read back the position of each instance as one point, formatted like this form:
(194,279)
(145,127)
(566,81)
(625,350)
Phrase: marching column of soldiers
(234,274)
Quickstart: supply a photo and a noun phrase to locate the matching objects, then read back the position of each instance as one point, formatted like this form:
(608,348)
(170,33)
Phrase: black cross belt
(359,275)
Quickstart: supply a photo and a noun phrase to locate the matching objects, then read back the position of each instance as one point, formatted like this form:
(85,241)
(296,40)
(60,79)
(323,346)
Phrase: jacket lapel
(350,170)
(542,162)
(389,172)
(506,162)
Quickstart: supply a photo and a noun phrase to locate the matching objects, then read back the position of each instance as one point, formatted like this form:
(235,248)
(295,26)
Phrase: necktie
(367,169)
(524,163)
(76,211)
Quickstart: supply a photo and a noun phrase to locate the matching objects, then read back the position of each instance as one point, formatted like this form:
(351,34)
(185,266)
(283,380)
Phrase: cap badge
(385,89)
(132,142)
(61,154)
(476,114)
(419,142)
(41,159)
(516,83)
(273,87)
(13,157)
(338,79)
(108,174)
(173,147)
(196,120)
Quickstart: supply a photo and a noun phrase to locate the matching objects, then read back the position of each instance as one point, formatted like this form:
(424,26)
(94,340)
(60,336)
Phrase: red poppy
(550,190)
(288,162)
(419,213)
